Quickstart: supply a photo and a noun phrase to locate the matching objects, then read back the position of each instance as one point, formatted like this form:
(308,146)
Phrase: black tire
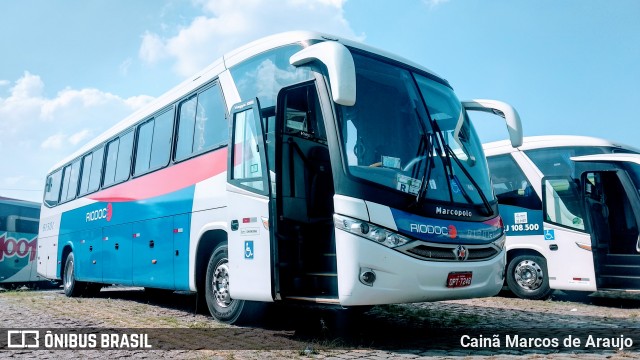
(72,287)
(221,306)
(527,277)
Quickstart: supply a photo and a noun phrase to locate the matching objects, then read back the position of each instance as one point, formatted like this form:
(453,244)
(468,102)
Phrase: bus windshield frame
(409,132)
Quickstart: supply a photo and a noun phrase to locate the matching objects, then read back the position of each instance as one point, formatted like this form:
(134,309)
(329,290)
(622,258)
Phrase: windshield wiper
(449,172)
(485,201)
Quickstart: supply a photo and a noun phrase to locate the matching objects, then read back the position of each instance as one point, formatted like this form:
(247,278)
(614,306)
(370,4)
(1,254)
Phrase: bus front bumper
(400,278)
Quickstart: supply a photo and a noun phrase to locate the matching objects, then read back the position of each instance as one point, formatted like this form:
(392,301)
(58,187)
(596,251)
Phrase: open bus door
(249,273)
(613,208)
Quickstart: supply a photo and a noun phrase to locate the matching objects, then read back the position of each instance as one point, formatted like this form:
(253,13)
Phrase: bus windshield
(410,133)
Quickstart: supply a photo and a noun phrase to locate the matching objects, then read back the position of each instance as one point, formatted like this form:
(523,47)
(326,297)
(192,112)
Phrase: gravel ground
(410,331)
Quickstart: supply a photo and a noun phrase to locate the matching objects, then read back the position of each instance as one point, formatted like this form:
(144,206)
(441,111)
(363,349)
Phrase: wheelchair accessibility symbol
(549,235)
(248,249)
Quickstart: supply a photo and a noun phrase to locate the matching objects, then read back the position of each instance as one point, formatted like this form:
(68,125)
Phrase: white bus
(571,211)
(300,167)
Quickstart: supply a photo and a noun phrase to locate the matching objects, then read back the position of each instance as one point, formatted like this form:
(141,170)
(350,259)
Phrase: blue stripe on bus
(141,243)
(447,231)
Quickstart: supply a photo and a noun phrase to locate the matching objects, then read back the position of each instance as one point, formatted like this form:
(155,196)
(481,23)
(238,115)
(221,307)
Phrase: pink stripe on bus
(168,180)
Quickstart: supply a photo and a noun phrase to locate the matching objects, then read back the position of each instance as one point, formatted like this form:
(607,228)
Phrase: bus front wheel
(221,306)
(527,277)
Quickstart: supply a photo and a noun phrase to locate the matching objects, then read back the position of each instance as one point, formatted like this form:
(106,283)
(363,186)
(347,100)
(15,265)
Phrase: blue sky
(71,69)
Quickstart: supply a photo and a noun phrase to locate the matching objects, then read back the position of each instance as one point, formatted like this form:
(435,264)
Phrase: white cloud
(61,140)
(152,48)
(78,137)
(4,82)
(434,3)
(38,130)
(227,24)
(125,65)
(54,142)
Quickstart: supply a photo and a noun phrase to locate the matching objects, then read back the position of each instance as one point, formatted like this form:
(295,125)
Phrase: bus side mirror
(339,62)
(502,109)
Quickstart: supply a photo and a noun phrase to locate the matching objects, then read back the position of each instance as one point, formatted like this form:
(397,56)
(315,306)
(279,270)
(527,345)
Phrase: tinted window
(211,128)
(96,169)
(154,143)
(26,226)
(201,123)
(511,185)
(72,185)
(264,75)
(112,158)
(123,167)
(86,173)
(65,183)
(143,148)
(161,147)
(52,188)
(19,218)
(186,120)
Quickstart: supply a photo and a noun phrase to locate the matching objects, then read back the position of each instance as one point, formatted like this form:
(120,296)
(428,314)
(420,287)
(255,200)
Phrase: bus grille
(440,253)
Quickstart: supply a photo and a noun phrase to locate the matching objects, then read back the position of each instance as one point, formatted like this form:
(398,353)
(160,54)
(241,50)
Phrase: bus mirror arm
(502,109)
(339,62)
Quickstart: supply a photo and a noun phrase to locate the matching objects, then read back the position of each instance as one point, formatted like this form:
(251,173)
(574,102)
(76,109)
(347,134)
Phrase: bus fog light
(367,276)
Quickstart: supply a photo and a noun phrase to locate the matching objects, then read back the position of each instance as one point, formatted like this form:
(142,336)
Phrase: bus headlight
(369,231)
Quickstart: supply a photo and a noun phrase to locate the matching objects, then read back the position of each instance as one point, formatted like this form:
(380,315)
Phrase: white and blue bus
(300,167)
(571,209)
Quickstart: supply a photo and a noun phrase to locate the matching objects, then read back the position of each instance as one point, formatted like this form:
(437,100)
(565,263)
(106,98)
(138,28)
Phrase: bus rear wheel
(72,287)
(527,277)
(221,306)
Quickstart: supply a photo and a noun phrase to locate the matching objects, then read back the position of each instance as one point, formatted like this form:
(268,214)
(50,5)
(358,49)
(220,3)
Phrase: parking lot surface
(496,328)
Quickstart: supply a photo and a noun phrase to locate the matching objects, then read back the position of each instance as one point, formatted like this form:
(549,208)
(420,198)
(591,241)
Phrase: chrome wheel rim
(68,275)
(529,275)
(220,284)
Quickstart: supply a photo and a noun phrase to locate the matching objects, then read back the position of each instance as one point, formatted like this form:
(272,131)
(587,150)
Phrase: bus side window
(211,126)
(202,123)
(96,169)
(110,166)
(510,184)
(143,147)
(123,167)
(70,181)
(161,145)
(86,173)
(186,120)
(66,174)
(52,191)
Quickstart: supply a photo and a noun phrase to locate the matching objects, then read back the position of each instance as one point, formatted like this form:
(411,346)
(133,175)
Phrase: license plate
(459,279)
